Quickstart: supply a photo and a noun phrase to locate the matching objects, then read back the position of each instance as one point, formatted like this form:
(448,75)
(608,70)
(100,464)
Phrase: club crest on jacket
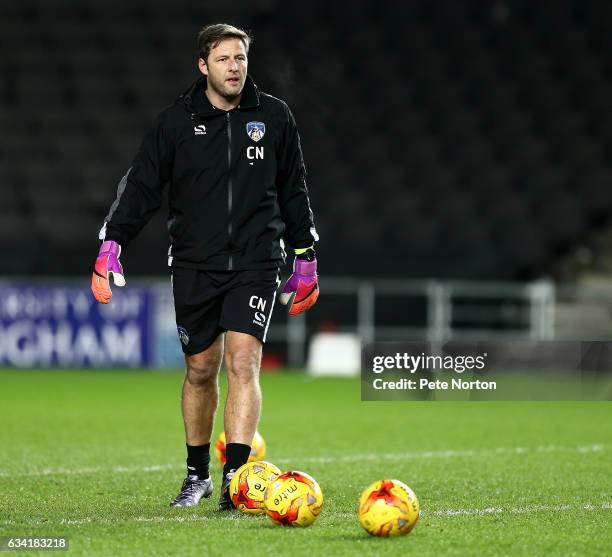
(256,130)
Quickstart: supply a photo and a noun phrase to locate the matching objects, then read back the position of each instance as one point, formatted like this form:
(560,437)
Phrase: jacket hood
(196,102)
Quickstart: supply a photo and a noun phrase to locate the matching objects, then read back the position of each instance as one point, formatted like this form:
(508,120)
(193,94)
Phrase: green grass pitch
(97,456)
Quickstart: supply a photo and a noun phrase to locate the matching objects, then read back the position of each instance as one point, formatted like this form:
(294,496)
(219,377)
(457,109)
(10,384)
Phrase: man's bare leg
(201,392)
(243,404)
(199,402)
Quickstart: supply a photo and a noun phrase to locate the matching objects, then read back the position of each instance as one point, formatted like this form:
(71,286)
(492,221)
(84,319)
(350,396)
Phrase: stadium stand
(456,139)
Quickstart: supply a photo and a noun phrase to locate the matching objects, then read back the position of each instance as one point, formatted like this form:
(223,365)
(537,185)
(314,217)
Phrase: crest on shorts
(183,335)
(256,130)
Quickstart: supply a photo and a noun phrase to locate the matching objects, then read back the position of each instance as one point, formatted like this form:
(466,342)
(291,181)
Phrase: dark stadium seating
(457,139)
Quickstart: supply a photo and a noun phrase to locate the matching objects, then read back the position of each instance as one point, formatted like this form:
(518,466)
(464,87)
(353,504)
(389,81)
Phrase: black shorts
(208,303)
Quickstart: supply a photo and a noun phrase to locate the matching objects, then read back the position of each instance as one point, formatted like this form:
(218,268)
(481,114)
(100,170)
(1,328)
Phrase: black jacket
(236,183)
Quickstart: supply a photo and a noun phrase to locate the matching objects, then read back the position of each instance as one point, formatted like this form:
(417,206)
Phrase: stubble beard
(222,91)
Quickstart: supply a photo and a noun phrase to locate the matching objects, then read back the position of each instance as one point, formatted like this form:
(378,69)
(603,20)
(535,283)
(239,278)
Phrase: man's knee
(198,374)
(203,368)
(243,363)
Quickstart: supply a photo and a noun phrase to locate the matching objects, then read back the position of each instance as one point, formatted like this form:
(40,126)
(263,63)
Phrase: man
(232,158)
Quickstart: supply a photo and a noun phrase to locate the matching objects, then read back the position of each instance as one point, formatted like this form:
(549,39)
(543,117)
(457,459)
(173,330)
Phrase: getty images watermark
(512,370)
(410,363)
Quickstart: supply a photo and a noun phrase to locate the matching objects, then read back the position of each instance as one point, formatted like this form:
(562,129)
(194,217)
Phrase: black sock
(198,459)
(236,454)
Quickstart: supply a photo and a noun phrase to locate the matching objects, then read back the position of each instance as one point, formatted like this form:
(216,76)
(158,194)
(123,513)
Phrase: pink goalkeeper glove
(302,285)
(107,262)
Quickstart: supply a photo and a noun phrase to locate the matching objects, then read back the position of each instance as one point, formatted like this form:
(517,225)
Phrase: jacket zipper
(229,189)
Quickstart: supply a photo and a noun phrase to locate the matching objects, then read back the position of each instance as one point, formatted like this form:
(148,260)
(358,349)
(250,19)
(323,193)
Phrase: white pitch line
(91,470)
(445,513)
(595,448)
(529,509)
(131,519)
(451,453)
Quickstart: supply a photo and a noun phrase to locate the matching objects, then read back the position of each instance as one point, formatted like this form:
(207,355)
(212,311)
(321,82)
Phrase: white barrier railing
(445,301)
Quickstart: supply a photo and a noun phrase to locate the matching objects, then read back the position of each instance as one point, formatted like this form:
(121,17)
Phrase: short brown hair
(211,35)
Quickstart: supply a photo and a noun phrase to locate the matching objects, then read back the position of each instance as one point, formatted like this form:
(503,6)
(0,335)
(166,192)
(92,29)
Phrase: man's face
(226,68)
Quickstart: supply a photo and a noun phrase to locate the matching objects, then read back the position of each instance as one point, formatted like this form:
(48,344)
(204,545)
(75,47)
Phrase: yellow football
(293,499)
(258,448)
(249,484)
(388,508)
